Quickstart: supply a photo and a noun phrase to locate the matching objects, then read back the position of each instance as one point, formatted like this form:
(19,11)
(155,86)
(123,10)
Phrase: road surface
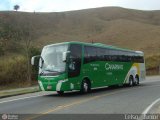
(119,100)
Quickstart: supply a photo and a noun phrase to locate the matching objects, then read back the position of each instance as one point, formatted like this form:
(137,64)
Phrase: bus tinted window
(101,54)
(74,64)
(90,54)
(105,54)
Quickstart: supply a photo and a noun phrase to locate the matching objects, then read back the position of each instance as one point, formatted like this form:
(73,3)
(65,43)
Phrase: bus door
(74,64)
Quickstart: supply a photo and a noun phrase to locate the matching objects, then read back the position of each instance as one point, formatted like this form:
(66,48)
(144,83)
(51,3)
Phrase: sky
(68,5)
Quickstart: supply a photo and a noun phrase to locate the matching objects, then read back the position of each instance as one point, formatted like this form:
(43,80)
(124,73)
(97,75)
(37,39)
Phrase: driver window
(75,60)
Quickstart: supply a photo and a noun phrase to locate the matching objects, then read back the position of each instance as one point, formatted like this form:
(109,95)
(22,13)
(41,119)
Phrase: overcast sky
(67,5)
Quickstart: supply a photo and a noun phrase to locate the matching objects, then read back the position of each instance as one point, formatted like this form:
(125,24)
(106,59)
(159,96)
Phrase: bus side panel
(106,73)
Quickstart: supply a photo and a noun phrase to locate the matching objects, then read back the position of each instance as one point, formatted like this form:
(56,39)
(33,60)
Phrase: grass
(18,85)
(153,64)
(18,92)
(152,61)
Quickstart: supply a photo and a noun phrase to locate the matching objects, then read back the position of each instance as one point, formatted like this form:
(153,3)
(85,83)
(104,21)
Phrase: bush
(1,51)
(152,61)
(13,70)
(152,64)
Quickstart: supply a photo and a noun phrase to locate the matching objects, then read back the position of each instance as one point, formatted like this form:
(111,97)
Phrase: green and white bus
(82,66)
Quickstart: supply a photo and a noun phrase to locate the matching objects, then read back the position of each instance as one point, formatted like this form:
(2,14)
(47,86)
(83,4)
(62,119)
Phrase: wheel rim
(130,82)
(85,86)
(137,81)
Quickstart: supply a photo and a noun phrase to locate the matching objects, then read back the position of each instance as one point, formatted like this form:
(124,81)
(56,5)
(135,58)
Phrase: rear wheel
(85,87)
(136,80)
(60,92)
(131,81)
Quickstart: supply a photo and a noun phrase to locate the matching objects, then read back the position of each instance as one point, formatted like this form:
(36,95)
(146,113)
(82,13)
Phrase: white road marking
(150,106)
(144,113)
(21,98)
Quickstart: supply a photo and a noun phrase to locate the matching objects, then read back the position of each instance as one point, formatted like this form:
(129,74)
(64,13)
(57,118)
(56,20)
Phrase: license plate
(49,87)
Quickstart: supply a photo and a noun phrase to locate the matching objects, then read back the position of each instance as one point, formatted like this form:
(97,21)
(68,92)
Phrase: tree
(25,32)
(22,29)
(16,7)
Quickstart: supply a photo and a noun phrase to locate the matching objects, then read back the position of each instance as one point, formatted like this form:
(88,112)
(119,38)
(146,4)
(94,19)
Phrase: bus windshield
(51,59)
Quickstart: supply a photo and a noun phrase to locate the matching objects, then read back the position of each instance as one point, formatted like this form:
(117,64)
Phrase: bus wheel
(131,81)
(85,87)
(60,92)
(136,80)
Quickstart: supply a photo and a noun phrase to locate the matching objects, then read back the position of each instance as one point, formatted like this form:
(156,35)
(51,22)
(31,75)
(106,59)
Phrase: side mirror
(64,56)
(35,60)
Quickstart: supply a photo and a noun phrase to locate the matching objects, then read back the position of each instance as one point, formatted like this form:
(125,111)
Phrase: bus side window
(86,55)
(74,64)
(101,54)
(89,54)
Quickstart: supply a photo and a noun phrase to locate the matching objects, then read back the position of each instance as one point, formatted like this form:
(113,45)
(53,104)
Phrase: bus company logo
(4,117)
(9,117)
(113,66)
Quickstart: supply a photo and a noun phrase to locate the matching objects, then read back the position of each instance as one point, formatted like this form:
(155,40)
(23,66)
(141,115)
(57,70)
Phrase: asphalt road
(118,100)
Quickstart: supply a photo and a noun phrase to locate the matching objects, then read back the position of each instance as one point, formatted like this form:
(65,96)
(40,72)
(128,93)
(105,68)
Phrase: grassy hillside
(116,26)
(21,32)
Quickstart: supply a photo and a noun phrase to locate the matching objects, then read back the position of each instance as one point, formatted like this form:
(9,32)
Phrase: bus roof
(104,46)
(98,45)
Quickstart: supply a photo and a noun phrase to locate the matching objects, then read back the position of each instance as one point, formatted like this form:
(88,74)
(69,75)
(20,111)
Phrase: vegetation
(16,50)
(23,35)
(16,7)
(14,70)
(153,65)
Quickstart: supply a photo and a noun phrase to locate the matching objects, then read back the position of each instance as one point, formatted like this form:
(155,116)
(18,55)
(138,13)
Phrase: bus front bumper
(61,85)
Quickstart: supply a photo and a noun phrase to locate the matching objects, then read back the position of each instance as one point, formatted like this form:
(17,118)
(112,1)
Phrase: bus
(83,66)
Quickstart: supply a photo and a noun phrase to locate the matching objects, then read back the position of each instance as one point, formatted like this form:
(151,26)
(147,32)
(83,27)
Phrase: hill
(23,35)
(135,29)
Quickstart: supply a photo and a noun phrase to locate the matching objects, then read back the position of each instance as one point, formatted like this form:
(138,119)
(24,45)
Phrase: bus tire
(137,80)
(131,82)
(60,92)
(85,86)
